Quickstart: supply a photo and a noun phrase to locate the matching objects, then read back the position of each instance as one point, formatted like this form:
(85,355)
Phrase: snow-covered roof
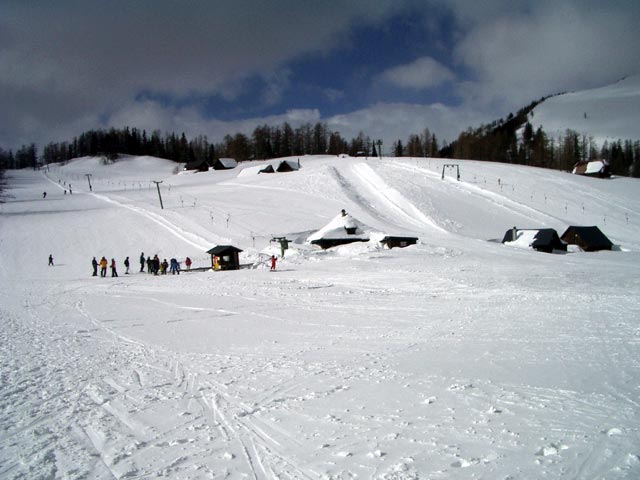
(288,165)
(545,239)
(227,162)
(590,168)
(337,229)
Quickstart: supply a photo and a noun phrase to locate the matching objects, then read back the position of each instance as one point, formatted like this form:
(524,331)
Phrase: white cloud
(423,73)
(517,58)
(387,121)
(396,121)
(151,115)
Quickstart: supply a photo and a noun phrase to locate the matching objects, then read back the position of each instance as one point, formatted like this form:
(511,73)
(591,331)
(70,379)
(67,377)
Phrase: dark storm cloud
(69,66)
(65,60)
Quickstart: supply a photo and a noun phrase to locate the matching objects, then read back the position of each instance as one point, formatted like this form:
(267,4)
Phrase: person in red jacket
(187,262)
(273,262)
(114,272)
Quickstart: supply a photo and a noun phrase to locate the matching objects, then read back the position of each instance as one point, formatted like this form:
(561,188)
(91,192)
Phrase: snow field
(454,358)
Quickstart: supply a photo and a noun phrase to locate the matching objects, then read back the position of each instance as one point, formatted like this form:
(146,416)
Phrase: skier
(103,267)
(187,262)
(142,262)
(174,266)
(126,264)
(164,266)
(284,245)
(44,194)
(114,273)
(155,264)
(273,263)
(94,264)
(149,265)
(51,260)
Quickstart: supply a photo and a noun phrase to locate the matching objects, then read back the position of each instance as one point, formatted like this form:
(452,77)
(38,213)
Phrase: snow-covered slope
(458,357)
(607,113)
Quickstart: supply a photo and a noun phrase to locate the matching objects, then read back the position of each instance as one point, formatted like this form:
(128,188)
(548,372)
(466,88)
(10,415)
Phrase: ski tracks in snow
(371,191)
(495,198)
(188,237)
(142,418)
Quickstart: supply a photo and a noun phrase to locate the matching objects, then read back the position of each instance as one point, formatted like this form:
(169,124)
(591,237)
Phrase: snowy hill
(458,357)
(607,113)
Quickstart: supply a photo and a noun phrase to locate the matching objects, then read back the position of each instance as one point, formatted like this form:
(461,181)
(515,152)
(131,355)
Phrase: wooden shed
(288,166)
(589,239)
(325,243)
(592,168)
(197,165)
(343,229)
(397,241)
(225,164)
(227,256)
(541,240)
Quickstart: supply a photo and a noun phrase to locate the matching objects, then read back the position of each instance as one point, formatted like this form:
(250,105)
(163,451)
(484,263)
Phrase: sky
(387,68)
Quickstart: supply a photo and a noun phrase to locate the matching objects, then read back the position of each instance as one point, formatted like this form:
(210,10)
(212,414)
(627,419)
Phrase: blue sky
(388,68)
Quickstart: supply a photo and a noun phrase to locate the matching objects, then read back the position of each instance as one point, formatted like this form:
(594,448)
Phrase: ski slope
(605,114)
(458,357)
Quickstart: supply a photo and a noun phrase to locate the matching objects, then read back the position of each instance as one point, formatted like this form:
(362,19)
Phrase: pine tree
(399,149)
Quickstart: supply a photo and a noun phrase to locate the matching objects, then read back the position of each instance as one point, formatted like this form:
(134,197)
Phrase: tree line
(265,142)
(514,140)
(510,140)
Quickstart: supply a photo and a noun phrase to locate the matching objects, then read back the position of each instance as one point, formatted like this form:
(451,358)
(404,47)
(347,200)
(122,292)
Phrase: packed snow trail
(187,237)
(393,199)
(453,358)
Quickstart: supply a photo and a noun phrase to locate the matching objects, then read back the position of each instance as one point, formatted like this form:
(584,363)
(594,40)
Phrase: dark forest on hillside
(509,141)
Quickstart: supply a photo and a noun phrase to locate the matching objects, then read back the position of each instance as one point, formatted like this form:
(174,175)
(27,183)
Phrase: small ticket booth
(225,257)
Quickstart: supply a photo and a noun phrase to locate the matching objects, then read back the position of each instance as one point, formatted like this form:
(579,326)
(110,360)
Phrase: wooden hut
(227,257)
(288,166)
(397,241)
(592,168)
(343,229)
(589,239)
(541,240)
(225,164)
(197,165)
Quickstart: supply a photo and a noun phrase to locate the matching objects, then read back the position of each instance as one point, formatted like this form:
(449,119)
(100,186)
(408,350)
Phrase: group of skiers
(103,264)
(153,265)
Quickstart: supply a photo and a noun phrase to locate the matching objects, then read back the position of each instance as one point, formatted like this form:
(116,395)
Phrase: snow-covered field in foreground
(454,358)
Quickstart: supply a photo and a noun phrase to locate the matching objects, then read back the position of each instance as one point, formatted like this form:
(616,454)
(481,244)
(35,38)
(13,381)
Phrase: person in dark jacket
(126,264)
(51,260)
(94,264)
(174,266)
(142,262)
